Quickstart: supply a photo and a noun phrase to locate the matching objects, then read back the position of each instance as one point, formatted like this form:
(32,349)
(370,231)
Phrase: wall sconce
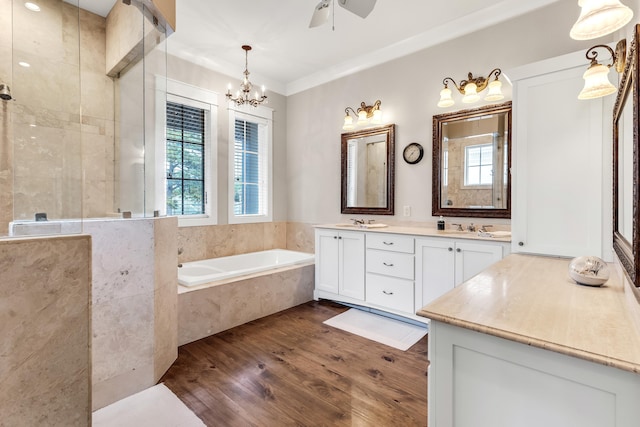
(470,88)
(366,113)
(596,78)
(599,18)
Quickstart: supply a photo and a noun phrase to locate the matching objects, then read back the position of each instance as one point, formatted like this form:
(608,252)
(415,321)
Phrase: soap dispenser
(441,223)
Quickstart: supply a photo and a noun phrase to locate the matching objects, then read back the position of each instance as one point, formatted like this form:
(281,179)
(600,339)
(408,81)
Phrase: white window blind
(249,168)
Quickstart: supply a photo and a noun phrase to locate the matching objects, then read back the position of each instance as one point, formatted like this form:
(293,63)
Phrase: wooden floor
(289,369)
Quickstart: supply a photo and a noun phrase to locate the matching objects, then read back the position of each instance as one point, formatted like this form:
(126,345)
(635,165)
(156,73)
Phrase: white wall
(409,90)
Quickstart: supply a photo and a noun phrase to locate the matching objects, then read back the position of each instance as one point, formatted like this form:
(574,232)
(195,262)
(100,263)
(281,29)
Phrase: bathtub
(200,272)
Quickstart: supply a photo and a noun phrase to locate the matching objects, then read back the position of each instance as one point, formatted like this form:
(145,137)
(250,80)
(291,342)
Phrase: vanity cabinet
(340,262)
(558,161)
(390,272)
(397,273)
(442,264)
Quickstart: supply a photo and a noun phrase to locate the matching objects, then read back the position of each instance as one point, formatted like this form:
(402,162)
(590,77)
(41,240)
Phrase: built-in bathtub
(196,273)
(246,288)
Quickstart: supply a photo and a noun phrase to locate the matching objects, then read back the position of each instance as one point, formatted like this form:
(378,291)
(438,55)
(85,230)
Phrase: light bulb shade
(377,117)
(362,117)
(596,82)
(470,93)
(348,123)
(599,18)
(445,98)
(495,91)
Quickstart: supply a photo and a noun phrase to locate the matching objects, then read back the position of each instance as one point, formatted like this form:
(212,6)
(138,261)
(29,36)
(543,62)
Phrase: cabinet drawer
(389,292)
(390,242)
(390,263)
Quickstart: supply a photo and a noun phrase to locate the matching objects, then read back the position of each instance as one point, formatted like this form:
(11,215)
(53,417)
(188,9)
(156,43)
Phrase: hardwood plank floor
(289,369)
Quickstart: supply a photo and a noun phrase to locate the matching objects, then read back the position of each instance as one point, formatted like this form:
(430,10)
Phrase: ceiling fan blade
(362,8)
(320,14)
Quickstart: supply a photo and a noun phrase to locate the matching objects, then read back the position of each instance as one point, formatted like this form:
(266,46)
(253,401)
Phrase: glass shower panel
(141,96)
(45,115)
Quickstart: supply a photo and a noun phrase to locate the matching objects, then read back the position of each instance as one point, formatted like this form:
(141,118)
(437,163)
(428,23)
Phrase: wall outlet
(407,211)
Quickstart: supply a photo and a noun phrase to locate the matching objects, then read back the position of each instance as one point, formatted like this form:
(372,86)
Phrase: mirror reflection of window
(478,169)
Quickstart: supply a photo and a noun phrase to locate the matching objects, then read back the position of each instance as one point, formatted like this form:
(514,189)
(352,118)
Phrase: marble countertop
(531,299)
(420,231)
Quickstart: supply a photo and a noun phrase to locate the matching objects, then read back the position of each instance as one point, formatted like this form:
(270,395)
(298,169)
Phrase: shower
(5,92)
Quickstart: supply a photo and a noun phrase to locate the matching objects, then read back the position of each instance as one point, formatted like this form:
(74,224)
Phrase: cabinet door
(352,264)
(327,260)
(434,269)
(557,168)
(472,258)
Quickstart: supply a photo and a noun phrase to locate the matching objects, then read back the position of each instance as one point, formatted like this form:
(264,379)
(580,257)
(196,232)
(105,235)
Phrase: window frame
(186,94)
(263,116)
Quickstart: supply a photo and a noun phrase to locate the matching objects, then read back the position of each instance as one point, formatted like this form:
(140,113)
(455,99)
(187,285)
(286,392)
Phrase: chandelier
(243,96)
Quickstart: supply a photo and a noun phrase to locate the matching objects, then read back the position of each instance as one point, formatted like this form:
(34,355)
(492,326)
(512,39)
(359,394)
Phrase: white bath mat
(391,332)
(156,406)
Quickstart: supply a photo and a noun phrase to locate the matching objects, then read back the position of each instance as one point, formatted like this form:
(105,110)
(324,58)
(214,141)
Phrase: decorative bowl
(589,271)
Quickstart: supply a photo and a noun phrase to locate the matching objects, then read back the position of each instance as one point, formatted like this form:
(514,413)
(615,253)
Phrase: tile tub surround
(215,241)
(207,311)
(134,304)
(531,300)
(44,331)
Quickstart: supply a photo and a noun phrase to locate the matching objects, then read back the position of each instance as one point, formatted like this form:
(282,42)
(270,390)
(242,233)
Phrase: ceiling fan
(320,16)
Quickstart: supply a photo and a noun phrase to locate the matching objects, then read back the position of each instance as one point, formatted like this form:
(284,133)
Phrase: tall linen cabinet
(561,193)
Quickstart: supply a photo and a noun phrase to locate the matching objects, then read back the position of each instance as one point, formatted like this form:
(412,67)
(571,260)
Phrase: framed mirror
(368,171)
(626,158)
(472,162)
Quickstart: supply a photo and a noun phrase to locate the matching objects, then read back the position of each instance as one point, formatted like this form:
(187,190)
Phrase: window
(250,166)
(185,182)
(185,167)
(478,165)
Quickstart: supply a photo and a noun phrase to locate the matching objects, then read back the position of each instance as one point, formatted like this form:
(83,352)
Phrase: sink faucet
(357,221)
(471,227)
(459,227)
(483,229)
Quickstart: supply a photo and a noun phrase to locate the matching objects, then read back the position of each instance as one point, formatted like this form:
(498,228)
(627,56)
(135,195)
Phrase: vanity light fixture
(245,86)
(596,78)
(599,18)
(366,114)
(471,87)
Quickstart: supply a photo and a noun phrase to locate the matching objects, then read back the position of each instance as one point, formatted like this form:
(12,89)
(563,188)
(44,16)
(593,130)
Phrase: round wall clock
(413,153)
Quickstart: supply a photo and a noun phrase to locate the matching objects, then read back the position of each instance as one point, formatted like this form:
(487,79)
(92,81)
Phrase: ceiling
(289,57)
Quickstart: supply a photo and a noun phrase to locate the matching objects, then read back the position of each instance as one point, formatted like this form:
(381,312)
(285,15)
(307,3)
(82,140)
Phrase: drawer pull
(387,293)
(388,265)
(388,243)
(450,249)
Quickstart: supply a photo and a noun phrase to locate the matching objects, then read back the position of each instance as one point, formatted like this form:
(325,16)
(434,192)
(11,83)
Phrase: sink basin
(362,225)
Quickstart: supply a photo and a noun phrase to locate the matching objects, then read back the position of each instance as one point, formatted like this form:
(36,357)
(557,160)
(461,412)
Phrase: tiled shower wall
(62,119)
(45,331)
